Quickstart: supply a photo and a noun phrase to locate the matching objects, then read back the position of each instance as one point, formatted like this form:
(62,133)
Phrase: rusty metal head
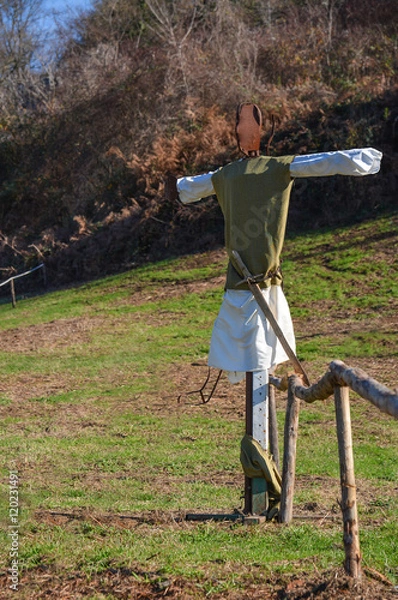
(248,128)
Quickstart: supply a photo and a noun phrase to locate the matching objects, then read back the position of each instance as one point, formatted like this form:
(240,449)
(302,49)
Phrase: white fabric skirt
(243,340)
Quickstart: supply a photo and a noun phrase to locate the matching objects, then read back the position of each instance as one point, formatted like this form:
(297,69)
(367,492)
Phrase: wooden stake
(44,275)
(273,425)
(289,456)
(13,297)
(352,563)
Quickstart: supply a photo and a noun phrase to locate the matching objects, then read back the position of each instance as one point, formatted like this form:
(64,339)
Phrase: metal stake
(257,425)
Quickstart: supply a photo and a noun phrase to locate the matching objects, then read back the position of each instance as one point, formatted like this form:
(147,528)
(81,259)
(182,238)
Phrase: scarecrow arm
(356,162)
(188,189)
(194,188)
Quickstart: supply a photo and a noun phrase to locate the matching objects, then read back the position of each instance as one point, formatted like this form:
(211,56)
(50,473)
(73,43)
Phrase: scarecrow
(254,194)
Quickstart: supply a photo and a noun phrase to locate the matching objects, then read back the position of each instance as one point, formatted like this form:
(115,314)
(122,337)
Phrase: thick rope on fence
(340,375)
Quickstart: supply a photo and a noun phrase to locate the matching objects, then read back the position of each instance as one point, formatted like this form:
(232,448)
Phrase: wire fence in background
(12,279)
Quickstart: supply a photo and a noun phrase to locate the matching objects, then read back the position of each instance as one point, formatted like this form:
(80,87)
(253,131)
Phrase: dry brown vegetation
(123,584)
(140,89)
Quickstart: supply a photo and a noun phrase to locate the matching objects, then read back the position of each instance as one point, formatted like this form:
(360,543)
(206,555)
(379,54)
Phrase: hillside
(135,94)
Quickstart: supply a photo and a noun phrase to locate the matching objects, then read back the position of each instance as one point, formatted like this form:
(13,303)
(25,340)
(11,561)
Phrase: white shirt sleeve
(193,189)
(357,162)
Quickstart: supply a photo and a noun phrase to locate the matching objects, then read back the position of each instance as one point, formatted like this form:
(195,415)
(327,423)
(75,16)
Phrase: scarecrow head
(248,128)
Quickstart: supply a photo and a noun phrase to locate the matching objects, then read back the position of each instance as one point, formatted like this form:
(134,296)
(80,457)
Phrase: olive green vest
(254,198)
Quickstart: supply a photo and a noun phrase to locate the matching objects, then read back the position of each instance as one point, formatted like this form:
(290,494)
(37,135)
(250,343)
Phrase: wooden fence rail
(337,382)
(340,375)
(11,280)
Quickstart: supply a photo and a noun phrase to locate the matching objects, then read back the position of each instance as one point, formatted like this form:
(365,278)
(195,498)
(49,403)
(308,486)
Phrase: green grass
(345,268)
(89,414)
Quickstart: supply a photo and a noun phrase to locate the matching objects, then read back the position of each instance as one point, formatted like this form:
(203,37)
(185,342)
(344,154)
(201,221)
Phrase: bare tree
(174,22)
(21,78)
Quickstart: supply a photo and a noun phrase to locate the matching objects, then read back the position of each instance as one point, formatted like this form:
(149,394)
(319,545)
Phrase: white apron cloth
(242,338)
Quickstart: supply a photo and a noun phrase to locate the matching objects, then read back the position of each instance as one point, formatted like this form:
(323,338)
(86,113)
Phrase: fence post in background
(44,275)
(289,456)
(11,280)
(273,425)
(352,563)
(13,297)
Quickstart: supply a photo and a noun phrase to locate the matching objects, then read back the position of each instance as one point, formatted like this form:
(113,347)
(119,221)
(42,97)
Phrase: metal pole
(257,415)
(249,431)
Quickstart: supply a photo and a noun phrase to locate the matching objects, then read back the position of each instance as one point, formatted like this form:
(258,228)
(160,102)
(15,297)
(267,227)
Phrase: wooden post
(352,563)
(44,275)
(256,497)
(273,425)
(289,456)
(13,297)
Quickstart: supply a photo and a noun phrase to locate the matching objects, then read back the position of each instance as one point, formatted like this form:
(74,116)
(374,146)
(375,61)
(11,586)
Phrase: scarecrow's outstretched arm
(355,162)
(188,189)
(194,188)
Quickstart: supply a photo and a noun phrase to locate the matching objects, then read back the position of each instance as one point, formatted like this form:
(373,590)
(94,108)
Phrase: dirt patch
(174,289)
(28,386)
(45,582)
(55,334)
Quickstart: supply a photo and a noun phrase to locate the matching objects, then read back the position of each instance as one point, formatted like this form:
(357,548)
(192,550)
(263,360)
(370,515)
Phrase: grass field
(111,452)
